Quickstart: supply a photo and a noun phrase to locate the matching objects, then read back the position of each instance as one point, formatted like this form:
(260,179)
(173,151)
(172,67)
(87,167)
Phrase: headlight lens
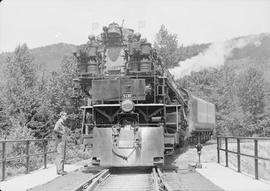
(127,106)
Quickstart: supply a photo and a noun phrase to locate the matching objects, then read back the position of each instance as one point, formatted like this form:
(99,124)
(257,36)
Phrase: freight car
(134,113)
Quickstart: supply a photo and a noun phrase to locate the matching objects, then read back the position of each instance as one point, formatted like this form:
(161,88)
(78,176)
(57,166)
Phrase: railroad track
(109,180)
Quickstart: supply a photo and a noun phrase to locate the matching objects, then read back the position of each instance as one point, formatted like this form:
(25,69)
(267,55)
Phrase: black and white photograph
(135,95)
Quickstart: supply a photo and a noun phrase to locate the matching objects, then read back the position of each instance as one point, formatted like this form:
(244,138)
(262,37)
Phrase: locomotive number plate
(127,96)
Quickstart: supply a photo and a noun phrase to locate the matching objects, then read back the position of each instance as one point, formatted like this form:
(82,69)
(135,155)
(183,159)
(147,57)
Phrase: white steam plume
(213,57)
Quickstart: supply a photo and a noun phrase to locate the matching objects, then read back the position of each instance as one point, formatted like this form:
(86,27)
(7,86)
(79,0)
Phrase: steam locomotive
(134,114)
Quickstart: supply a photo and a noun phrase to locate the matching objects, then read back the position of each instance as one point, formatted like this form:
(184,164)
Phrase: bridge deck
(33,179)
(217,176)
(229,179)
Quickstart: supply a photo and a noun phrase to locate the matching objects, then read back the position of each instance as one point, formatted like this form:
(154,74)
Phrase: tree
(167,47)
(171,54)
(18,92)
(23,94)
(60,91)
(251,91)
(252,94)
(20,80)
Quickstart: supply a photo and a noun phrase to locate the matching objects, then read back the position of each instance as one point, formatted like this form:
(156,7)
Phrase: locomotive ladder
(110,181)
(173,86)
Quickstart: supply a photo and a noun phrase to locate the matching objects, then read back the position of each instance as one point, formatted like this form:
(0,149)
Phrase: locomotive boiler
(134,113)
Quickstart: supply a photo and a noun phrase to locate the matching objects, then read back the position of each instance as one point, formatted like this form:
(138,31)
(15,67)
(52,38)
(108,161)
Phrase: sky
(43,22)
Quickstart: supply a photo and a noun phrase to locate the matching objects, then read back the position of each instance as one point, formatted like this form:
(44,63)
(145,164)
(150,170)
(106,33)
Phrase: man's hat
(62,113)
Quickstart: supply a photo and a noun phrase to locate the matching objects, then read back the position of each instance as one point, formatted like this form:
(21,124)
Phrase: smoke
(213,57)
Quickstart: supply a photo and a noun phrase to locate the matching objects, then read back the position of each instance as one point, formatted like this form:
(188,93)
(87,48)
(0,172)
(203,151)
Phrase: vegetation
(30,101)
(240,88)
(169,50)
(240,99)
(241,95)
(32,98)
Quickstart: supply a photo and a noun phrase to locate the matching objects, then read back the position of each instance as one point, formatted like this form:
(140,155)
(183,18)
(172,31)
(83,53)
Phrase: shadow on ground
(170,163)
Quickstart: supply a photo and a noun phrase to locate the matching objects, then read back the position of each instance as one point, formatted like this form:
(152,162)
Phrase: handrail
(239,153)
(27,156)
(246,138)
(23,140)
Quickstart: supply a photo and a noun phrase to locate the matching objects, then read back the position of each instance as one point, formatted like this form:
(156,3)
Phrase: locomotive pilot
(60,131)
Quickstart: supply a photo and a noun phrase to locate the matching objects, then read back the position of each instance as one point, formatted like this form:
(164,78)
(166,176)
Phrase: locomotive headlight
(127,106)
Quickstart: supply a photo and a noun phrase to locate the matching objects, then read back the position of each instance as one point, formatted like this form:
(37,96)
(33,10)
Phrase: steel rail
(158,182)
(166,186)
(156,185)
(93,183)
(100,184)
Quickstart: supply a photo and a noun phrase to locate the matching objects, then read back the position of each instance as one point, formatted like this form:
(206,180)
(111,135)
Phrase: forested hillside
(50,57)
(237,80)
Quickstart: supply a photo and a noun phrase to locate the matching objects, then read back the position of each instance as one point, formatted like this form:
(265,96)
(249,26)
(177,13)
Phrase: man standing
(60,131)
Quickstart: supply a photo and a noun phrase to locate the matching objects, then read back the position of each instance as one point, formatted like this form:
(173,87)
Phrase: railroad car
(134,114)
